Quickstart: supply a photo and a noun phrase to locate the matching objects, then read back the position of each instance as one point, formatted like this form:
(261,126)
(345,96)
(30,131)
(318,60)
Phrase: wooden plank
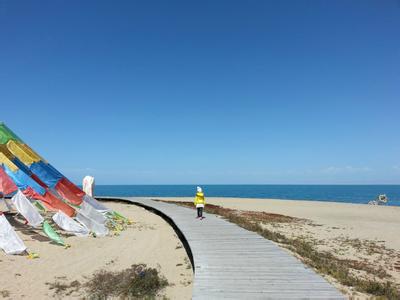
(233,263)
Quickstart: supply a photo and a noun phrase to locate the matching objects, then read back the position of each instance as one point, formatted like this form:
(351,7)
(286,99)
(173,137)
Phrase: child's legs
(201,211)
(198,212)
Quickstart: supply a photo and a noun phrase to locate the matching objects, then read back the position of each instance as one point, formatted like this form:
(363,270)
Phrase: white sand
(149,240)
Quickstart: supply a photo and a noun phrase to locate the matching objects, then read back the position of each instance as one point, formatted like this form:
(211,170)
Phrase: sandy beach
(361,234)
(150,240)
(364,235)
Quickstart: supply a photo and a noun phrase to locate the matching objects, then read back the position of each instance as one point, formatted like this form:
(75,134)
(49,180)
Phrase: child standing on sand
(199,201)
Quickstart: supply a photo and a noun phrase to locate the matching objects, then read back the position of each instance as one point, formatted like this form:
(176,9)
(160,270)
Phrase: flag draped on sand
(49,231)
(33,217)
(68,224)
(24,171)
(9,240)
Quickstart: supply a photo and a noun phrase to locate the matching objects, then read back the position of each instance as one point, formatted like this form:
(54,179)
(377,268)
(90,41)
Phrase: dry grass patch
(4,293)
(136,282)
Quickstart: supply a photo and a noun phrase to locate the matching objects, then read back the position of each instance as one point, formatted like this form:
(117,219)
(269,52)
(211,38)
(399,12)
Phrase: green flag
(49,231)
(119,216)
(39,206)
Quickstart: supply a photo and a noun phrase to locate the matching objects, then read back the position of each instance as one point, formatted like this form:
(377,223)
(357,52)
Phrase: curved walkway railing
(231,262)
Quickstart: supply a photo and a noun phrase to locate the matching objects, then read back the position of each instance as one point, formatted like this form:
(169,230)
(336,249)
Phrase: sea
(324,193)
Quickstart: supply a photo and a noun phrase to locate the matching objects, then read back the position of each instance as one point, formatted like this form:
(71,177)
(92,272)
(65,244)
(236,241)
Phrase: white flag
(98,229)
(9,240)
(70,225)
(26,208)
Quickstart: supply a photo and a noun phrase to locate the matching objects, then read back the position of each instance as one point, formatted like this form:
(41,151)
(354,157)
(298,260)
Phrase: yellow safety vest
(199,199)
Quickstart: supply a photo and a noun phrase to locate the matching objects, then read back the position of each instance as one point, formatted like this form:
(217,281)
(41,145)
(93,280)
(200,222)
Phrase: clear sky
(160,92)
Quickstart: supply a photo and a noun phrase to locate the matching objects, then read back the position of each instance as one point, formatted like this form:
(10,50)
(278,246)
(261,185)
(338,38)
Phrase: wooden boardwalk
(233,263)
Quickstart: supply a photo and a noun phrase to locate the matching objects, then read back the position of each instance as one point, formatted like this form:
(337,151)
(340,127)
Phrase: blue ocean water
(336,193)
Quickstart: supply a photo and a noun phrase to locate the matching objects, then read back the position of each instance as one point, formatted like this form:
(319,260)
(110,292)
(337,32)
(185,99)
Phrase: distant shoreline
(361,194)
(274,200)
(328,202)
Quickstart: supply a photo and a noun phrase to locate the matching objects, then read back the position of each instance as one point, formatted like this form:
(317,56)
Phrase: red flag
(37,179)
(70,191)
(7,186)
(51,201)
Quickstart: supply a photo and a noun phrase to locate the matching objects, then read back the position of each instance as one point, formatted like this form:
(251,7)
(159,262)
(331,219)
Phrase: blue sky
(160,92)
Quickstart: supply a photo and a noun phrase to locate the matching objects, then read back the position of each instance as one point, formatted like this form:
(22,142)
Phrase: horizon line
(191,184)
